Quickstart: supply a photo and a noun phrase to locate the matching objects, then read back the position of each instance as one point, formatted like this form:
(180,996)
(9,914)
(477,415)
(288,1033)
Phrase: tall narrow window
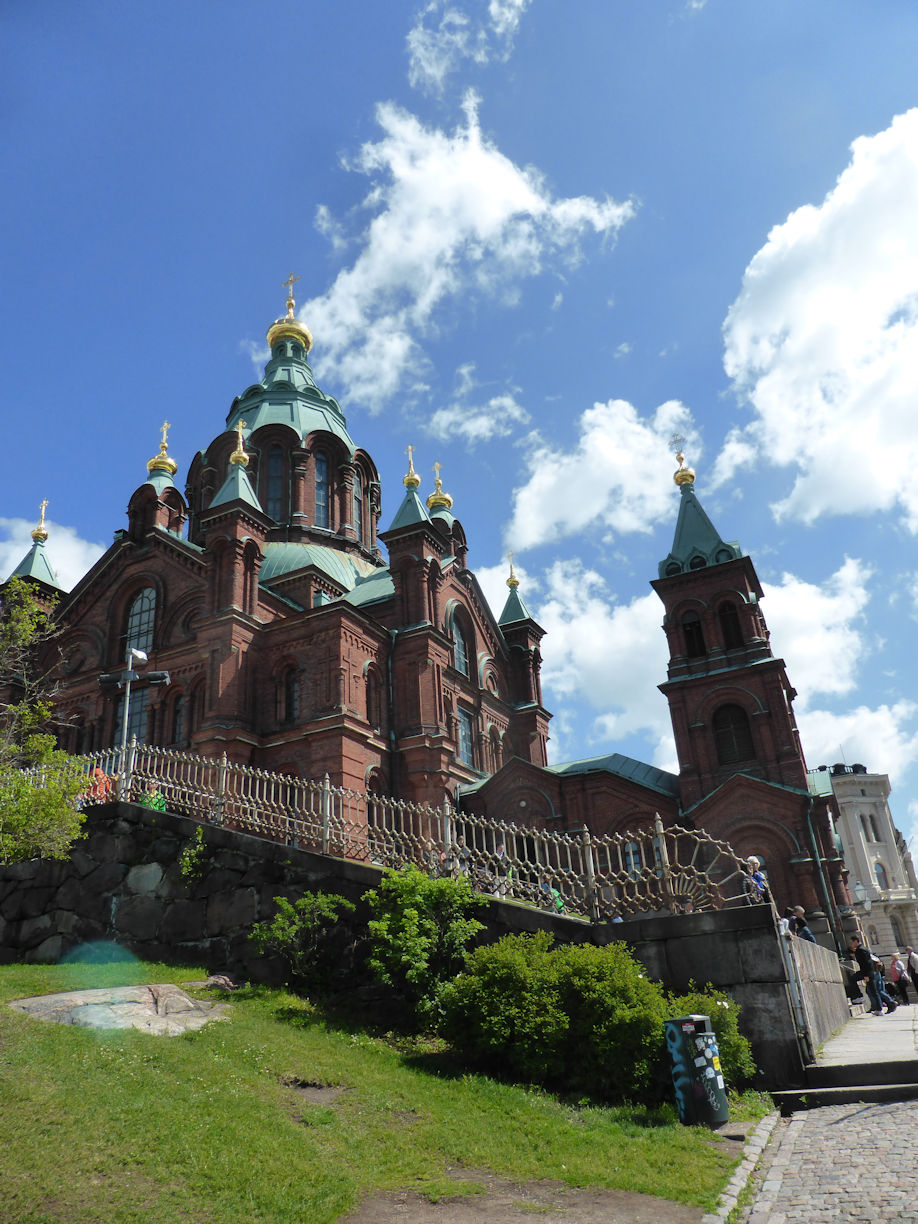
(178,721)
(137,718)
(730,626)
(466,738)
(141,614)
(274,503)
(882,881)
(358,506)
(291,696)
(732,735)
(694,635)
(321,489)
(460,650)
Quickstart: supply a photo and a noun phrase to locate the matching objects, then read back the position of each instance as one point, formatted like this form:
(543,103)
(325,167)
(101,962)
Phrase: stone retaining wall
(123,882)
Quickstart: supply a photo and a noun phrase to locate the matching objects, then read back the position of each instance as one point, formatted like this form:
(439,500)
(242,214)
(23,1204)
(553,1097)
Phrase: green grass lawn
(122,1127)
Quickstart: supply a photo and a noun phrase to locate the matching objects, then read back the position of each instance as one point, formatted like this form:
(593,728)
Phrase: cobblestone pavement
(841,1164)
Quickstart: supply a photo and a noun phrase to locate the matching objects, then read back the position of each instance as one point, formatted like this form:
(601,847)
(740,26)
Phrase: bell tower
(730,699)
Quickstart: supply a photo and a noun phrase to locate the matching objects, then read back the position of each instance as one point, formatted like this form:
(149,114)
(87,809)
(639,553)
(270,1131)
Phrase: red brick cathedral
(292,645)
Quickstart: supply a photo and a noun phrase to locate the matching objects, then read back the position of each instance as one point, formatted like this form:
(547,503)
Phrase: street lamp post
(123,680)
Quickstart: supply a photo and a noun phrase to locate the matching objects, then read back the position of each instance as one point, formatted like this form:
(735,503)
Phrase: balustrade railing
(649,869)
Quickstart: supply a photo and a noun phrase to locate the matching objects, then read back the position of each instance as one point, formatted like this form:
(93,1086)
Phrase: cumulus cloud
(823,339)
(611,656)
(489,417)
(444,35)
(70,556)
(885,739)
(619,475)
(450,216)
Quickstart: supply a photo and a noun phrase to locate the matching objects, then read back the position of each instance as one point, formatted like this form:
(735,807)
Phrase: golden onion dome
(683,475)
(512,582)
(289,327)
(438,500)
(163,462)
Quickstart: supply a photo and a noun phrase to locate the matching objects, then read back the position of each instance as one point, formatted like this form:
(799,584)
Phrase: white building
(881,876)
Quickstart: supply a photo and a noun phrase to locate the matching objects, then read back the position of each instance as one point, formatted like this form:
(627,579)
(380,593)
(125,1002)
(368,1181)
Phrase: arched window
(882,879)
(631,858)
(865,828)
(358,506)
(873,829)
(896,932)
(730,626)
(290,696)
(274,502)
(374,700)
(178,721)
(732,735)
(460,649)
(139,628)
(322,519)
(137,718)
(693,635)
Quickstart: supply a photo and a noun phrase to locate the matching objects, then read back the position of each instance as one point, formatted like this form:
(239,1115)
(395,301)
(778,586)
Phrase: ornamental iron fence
(597,876)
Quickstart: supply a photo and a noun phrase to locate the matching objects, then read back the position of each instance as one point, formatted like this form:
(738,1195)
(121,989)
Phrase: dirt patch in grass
(511,1202)
(312,1091)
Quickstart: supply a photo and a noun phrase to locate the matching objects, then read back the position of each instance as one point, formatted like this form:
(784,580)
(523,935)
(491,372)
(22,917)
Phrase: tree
(39,784)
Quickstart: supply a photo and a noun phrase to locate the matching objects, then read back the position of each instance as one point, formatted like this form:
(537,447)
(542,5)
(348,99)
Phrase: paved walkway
(847,1164)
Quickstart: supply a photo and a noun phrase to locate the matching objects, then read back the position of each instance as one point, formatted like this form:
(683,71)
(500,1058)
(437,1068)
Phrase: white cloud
(69,555)
(884,739)
(823,339)
(444,35)
(619,475)
(451,216)
(611,656)
(476,422)
(820,631)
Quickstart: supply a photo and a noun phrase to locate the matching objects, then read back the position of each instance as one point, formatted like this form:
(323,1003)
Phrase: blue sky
(534,239)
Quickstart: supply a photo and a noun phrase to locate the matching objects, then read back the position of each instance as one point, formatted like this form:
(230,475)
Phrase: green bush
(578,1018)
(419,931)
(301,933)
(735,1052)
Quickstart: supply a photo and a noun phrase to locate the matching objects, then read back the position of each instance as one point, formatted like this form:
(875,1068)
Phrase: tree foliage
(419,931)
(301,933)
(39,784)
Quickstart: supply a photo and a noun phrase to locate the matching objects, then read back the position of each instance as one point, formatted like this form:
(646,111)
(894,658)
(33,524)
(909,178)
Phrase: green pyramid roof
(697,543)
(35,564)
(514,609)
(412,510)
(236,487)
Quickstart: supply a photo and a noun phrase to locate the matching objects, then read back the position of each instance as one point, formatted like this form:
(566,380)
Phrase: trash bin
(698,1079)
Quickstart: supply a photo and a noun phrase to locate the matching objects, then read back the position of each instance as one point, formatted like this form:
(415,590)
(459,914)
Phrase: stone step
(873,1074)
(814,1098)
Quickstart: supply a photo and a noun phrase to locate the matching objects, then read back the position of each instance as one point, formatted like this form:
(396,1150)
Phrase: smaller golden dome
(40,533)
(512,582)
(438,500)
(289,327)
(683,475)
(412,480)
(163,462)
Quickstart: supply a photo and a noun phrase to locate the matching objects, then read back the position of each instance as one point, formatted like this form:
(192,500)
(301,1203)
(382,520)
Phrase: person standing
(898,977)
(799,926)
(911,966)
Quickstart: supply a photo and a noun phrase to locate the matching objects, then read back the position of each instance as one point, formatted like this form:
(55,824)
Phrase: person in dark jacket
(868,975)
(799,926)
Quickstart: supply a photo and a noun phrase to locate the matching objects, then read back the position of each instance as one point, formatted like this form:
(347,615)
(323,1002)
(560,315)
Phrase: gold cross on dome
(288,285)
(436,468)
(676,443)
(240,426)
(43,507)
(166,426)
(409,451)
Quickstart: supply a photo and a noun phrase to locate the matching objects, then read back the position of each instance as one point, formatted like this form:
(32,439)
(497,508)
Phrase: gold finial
(288,284)
(289,327)
(239,455)
(512,582)
(412,480)
(684,475)
(40,534)
(438,500)
(163,462)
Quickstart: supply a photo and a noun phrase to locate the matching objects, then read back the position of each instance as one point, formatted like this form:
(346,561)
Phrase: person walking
(898,977)
(868,975)
(911,966)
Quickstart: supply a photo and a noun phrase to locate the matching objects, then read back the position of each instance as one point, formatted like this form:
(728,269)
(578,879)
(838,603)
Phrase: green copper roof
(343,569)
(288,395)
(237,486)
(412,510)
(35,564)
(623,767)
(160,481)
(376,588)
(696,543)
(514,609)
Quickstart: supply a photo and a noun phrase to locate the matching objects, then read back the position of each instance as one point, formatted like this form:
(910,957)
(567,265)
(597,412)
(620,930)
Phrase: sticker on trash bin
(688,1028)
(720,1081)
(709,1073)
(700,1043)
(715,1061)
(700,1062)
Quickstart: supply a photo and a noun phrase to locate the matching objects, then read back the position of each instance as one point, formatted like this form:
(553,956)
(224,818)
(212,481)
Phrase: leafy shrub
(735,1052)
(419,931)
(301,934)
(577,1018)
(193,858)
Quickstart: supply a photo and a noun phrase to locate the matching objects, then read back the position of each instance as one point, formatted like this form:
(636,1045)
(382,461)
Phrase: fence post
(447,840)
(221,790)
(326,812)
(592,897)
(666,870)
(128,765)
